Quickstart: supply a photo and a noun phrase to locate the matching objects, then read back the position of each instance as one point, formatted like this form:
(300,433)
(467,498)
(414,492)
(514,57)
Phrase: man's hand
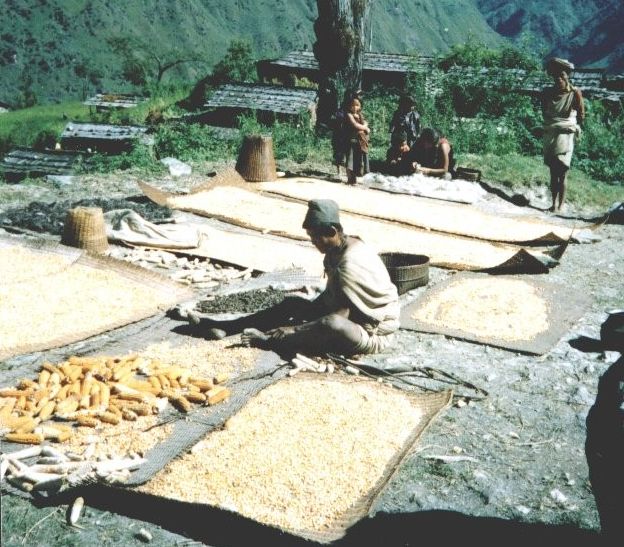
(280,333)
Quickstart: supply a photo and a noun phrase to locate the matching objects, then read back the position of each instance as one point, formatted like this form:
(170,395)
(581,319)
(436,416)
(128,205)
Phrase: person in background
(358,312)
(405,120)
(397,157)
(432,155)
(563,111)
(356,160)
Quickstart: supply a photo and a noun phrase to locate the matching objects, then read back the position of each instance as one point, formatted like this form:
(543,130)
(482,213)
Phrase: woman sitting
(432,155)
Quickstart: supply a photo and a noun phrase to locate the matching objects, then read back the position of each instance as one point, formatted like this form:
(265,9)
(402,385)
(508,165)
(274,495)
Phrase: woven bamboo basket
(406,271)
(256,162)
(85,229)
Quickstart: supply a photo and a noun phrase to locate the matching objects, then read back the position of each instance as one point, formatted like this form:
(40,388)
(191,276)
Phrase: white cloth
(128,226)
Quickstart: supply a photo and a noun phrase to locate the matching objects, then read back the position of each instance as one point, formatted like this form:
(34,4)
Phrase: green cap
(321,213)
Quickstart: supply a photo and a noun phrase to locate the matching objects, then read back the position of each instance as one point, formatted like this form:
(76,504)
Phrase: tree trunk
(339,50)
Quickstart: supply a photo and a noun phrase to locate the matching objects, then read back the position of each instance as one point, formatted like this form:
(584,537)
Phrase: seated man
(432,155)
(397,157)
(357,312)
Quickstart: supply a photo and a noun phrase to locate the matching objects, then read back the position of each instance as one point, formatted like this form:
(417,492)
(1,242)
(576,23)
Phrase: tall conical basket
(85,229)
(256,162)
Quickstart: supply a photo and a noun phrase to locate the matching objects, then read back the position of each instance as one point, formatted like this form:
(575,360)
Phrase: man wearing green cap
(357,313)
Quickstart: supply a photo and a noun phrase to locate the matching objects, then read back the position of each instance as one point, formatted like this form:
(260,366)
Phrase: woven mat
(517,313)
(429,405)
(248,209)
(444,217)
(54,295)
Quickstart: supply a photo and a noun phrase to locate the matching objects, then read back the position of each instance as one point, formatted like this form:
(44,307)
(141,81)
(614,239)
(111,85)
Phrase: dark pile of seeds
(50,217)
(242,302)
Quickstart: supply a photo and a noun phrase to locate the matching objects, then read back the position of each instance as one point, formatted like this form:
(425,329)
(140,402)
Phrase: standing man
(357,313)
(405,120)
(563,110)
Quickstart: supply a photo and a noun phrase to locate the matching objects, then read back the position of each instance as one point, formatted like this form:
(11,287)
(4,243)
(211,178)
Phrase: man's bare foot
(254,338)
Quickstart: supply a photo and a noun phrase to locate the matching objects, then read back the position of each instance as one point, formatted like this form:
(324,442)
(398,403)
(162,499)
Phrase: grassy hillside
(57,49)
(587,31)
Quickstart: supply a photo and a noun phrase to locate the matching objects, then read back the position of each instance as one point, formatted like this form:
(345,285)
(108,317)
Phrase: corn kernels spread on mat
(97,392)
(281,459)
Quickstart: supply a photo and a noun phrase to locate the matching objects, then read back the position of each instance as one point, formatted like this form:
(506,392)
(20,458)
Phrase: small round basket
(85,229)
(466,173)
(406,271)
(256,162)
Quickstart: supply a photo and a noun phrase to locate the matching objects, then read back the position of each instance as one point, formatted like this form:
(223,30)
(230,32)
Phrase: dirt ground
(490,469)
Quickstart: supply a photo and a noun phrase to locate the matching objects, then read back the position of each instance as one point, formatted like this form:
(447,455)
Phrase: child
(397,160)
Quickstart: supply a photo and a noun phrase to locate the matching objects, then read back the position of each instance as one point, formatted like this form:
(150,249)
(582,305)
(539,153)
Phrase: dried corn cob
(24,438)
(87,421)
(217,394)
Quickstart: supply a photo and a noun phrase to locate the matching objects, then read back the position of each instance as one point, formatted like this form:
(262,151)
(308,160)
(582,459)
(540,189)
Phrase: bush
(189,142)
(140,158)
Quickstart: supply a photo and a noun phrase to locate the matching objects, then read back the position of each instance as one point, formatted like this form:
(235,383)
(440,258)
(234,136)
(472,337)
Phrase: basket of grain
(256,162)
(466,173)
(84,228)
(407,271)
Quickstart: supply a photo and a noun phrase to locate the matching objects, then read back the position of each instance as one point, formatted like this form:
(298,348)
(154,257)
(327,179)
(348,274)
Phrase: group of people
(411,150)
(426,151)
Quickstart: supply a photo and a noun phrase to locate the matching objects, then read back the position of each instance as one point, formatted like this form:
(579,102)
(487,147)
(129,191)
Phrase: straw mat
(281,217)
(307,487)
(445,217)
(512,312)
(52,295)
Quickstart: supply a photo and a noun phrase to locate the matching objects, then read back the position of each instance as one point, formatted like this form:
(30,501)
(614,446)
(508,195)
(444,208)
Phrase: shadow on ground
(220,528)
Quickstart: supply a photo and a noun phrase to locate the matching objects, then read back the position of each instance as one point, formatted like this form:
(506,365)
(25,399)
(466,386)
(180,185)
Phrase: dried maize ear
(217,394)
(44,377)
(21,402)
(63,436)
(62,392)
(195,397)
(39,395)
(127,377)
(114,409)
(94,400)
(29,406)
(193,388)
(129,415)
(47,410)
(203,385)
(52,369)
(74,373)
(221,378)
(104,395)
(75,387)
(87,421)
(183,379)
(85,402)
(8,406)
(153,380)
(121,371)
(55,378)
(164,381)
(110,418)
(174,383)
(85,386)
(181,403)
(24,438)
(10,392)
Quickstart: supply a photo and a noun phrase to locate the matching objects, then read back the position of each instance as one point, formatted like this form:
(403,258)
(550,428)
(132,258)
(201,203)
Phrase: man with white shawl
(357,313)
(563,110)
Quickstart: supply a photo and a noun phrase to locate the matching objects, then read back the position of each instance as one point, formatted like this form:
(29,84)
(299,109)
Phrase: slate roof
(50,162)
(102,131)
(270,98)
(378,62)
(114,100)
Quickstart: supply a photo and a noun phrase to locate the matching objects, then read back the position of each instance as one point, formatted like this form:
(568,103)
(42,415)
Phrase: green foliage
(473,53)
(192,142)
(238,64)
(141,158)
(599,150)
